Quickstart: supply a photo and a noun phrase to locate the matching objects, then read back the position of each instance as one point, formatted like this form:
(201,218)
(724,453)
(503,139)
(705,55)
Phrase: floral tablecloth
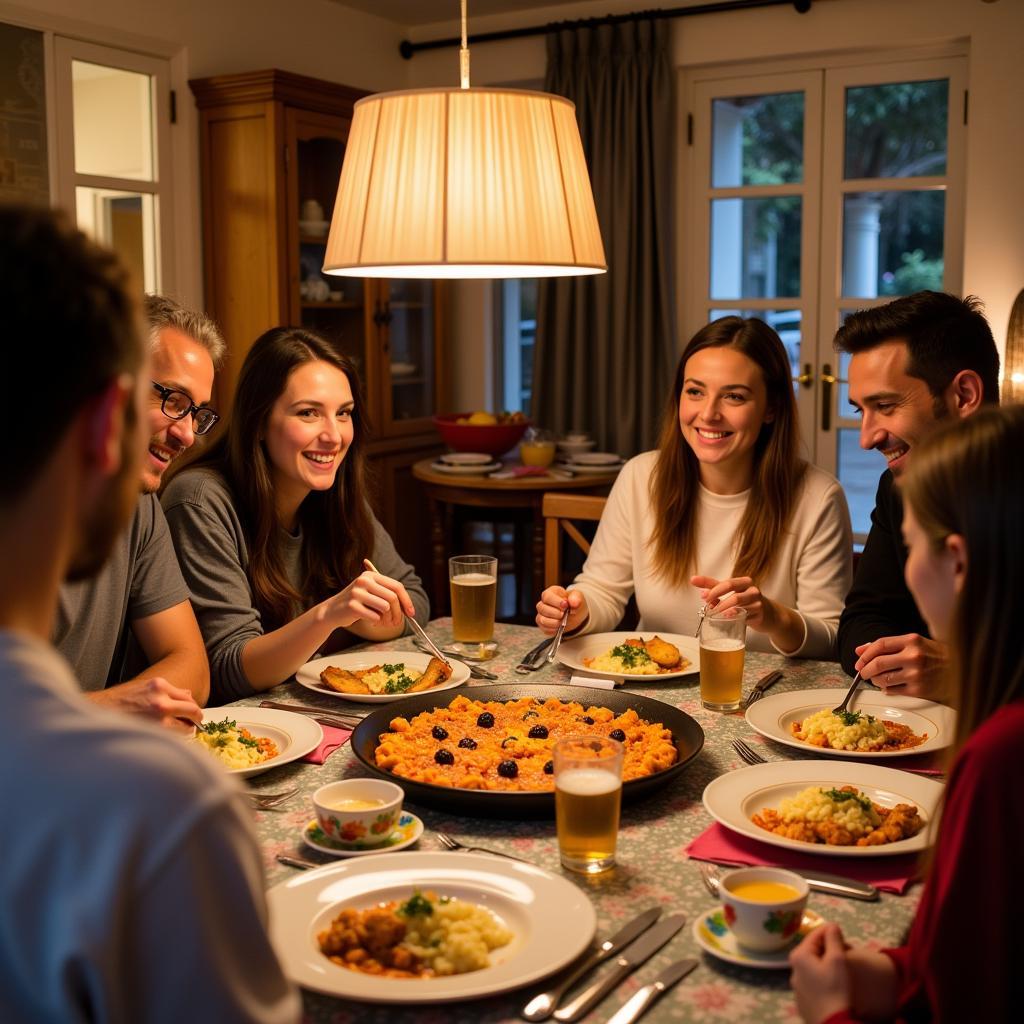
(653,867)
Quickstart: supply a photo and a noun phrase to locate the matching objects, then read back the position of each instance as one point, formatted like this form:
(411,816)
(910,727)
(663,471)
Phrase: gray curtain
(605,345)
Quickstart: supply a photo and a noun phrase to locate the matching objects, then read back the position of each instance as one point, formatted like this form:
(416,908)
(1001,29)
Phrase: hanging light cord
(464,52)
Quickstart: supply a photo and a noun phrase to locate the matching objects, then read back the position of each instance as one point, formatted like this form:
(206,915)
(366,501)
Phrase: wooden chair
(560,509)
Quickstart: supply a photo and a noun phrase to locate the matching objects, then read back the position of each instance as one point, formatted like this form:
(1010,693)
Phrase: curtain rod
(407,49)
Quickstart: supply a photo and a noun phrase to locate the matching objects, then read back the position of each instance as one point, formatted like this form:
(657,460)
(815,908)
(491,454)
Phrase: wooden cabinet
(271,145)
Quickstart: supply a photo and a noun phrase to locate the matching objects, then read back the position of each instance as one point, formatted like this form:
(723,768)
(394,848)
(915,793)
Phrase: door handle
(828,379)
(806,379)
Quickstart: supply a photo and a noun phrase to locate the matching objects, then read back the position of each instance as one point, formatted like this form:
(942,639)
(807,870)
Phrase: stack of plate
(466,463)
(597,463)
(574,445)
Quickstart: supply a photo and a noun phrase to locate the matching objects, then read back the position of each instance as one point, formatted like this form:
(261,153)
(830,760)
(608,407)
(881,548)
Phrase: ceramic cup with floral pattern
(763,906)
(360,813)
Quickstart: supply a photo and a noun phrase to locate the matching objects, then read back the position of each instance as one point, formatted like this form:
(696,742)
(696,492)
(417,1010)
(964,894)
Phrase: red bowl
(492,440)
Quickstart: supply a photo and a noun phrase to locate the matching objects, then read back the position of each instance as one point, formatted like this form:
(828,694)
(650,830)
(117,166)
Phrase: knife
(312,712)
(542,1006)
(819,881)
(639,951)
(766,682)
(635,1007)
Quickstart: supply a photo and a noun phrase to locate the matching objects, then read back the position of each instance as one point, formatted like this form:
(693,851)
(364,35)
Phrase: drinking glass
(723,641)
(474,586)
(588,792)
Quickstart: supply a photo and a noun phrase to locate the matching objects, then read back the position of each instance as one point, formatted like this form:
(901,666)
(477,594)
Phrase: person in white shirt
(132,887)
(724,513)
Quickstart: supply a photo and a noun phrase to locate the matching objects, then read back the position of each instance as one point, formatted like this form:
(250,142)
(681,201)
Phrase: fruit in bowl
(493,434)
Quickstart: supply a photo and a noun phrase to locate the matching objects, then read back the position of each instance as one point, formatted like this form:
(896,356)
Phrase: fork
(450,843)
(709,876)
(266,801)
(748,753)
(533,659)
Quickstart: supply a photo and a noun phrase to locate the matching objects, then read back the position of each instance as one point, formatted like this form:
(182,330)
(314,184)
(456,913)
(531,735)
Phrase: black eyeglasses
(176,405)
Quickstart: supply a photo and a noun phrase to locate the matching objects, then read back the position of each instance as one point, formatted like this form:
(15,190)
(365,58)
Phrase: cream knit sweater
(811,572)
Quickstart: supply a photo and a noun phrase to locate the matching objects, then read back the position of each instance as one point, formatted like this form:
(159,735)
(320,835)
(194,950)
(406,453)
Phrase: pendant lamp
(464,182)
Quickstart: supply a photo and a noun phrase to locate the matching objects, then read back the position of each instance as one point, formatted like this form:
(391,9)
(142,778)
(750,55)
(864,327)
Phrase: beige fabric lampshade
(464,183)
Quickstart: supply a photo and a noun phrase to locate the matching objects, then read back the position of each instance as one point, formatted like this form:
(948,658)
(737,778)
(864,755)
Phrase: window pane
(755,247)
(757,140)
(113,121)
(24,174)
(124,222)
(785,321)
(892,242)
(897,130)
(859,471)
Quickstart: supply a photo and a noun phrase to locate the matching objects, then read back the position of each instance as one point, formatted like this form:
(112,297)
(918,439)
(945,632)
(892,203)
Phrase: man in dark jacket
(914,362)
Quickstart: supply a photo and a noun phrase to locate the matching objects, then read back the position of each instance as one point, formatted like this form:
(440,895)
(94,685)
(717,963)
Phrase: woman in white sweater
(725,512)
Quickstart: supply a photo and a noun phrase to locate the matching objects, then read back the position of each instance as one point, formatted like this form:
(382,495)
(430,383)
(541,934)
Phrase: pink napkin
(529,470)
(333,738)
(890,874)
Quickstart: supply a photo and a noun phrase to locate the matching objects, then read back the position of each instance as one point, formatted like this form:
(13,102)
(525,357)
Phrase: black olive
(538,732)
(485,720)
(618,734)
(507,740)
(438,733)
(443,756)
(585,718)
(468,743)
(531,714)
(508,769)
(549,768)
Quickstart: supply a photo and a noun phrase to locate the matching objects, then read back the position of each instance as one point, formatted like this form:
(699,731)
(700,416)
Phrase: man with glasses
(130,632)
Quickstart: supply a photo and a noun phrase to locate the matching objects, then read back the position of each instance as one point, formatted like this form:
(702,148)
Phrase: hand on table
(551,607)
(171,706)
(821,976)
(373,598)
(912,663)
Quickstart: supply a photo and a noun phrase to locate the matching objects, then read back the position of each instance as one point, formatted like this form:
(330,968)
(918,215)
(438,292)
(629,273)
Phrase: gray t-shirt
(94,616)
(214,558)
(132,887)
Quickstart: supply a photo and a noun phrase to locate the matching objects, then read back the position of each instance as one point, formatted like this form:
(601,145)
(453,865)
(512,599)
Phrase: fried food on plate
(389,678)
(636,656)
(662,652)
(436,672)
(342,681)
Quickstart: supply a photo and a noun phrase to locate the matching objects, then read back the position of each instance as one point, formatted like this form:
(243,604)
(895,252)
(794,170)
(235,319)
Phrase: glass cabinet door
(407,318)
(333,306)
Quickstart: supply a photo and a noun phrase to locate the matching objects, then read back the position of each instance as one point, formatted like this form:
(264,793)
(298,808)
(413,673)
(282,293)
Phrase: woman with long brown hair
(963,501)
(271,524)
(724,512)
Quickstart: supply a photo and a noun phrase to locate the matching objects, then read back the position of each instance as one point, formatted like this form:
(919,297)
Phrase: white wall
(994,238)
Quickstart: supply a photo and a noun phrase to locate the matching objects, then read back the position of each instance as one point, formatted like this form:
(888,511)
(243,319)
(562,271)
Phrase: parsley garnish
(630,655)
(841,796)
(399,685)
(849,717)
(417,905)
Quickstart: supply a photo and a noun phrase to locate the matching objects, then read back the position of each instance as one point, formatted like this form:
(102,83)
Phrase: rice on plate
(235,746)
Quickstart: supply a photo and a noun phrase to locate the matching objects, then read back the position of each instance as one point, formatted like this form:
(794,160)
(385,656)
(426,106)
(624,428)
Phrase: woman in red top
(964,528)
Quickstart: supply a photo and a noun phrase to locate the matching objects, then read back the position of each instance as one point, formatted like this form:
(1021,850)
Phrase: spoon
(557,642)
(849,693)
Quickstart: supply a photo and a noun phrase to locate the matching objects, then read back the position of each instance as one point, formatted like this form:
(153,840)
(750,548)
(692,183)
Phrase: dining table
(652,866)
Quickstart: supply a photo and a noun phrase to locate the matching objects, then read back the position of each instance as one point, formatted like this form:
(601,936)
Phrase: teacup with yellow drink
(763,907)
(360,813)
(723,642)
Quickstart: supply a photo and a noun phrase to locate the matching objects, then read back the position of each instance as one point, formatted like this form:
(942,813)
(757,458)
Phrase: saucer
(713,936)
(409,829)
(472,470)
(467,459)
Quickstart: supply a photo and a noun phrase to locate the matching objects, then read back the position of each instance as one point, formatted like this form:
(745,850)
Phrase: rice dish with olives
(234,745)
(854,731)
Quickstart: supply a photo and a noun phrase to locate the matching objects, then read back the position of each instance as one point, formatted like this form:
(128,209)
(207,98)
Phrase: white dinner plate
(552,922)
(772,716)
(480,469)
(309,675)
(597,459)
(732,798)
(572,652)
(295,735)
(585,470)
(467,459)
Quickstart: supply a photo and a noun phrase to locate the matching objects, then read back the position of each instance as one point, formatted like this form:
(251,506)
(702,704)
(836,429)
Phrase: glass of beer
(474,586)
(588,791)
(723,641)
